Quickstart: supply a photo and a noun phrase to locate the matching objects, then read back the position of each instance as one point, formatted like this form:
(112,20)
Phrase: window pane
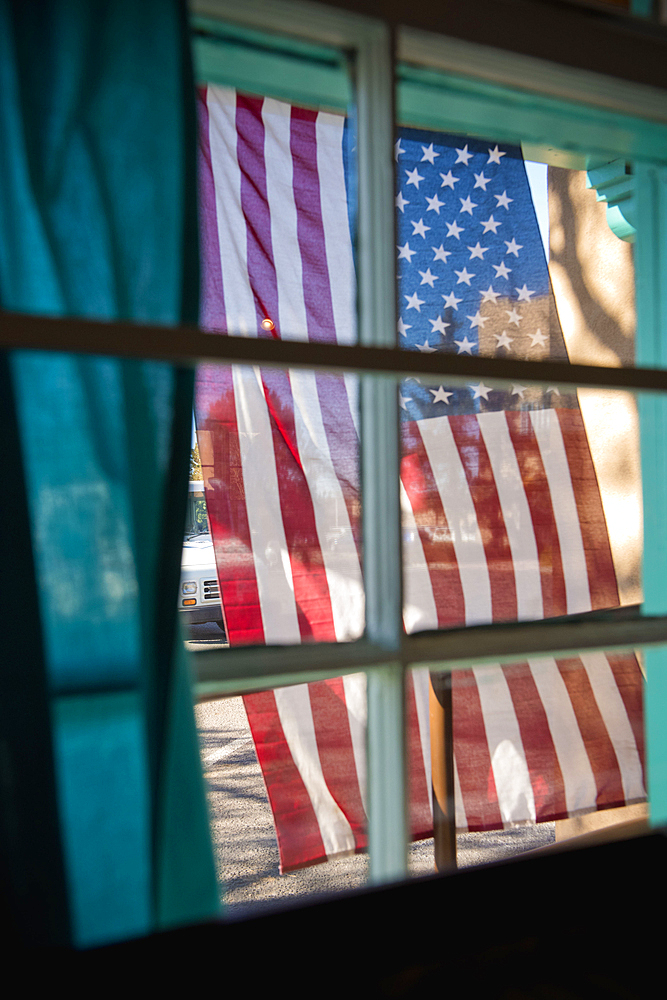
(518,503)
(552,740)
(279,459)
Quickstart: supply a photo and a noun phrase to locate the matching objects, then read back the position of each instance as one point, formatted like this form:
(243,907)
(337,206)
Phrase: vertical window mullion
(380,457)
(651,283)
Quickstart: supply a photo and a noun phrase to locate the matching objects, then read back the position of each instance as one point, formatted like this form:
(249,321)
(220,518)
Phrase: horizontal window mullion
(182,345)
(256,667)
(514,641)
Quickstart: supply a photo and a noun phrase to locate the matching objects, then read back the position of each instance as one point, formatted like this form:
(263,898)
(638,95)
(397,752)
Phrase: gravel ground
(244,840)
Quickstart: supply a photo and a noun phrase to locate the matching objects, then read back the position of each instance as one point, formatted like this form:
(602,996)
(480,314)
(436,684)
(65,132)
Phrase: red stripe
(599,747)
(212,315)
(599,562)
(546,776)
(536,485)
(255,205)
(310,231)
(630,682)
(419,792)
(434,532)
(334,743)
(343,444)
(479,476)
(226,503)
(473,761)
(297,829)
(311,588)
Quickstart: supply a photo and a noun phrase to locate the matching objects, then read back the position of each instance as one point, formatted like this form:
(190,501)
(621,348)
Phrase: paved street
(245,843)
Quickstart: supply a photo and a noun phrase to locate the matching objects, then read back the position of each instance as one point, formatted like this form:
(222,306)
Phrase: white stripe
(508,759)
(419,610)
(283,214)
(354,686)
(334,531)
(617,723)
(459,509)
(459,807)
(554,457)
(333,195)
(580,790)
(339,552)
(267,532)
(239,301)
(516,514)
(337,239)
(421,683)
(296,718)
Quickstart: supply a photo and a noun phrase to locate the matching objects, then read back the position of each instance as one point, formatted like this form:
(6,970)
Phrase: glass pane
(279,450)
(538,751)
(519,503)
(279,460)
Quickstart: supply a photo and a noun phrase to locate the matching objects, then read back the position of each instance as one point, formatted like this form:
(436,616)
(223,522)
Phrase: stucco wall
(592,273)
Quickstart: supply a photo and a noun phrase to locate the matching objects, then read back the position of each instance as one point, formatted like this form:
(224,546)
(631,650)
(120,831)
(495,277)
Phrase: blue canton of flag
(473,277)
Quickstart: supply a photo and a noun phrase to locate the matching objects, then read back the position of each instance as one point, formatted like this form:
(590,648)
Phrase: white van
(199,595)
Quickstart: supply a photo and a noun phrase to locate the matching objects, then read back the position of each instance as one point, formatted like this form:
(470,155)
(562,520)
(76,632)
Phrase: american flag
(502,513)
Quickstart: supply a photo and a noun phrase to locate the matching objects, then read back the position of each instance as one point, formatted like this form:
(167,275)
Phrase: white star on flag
(449,180)
(401,202)
(439,325)
(440,395)
(477,320)
(463,155)
(524,294)
(414,177)
(429,153)
(501,270)
(477,251)
(454,230)
(464,276)
(480,390)
(414,302)
(513,246)
(398,149)
(514,316)
(503,200)
(427,277)
(426,348)
(441,254)
(434,204)
(451,301)
(403,400)
(537,338)
(490,225)
(467,205)
(494,155)
(503,340)
(489,295)
(481,181)
(403,327)
(406,253)
(465,346)
(420,229)
(518,390)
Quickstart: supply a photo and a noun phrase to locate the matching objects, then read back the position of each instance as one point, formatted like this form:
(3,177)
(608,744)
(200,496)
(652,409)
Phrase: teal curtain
(104,830)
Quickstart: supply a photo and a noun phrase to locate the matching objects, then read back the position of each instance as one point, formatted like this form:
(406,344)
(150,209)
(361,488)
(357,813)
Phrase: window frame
(385,652)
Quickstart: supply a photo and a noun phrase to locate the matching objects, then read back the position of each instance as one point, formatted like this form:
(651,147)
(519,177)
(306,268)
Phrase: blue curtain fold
(98,219)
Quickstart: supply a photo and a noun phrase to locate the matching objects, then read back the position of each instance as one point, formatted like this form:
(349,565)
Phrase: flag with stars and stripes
(502,516)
